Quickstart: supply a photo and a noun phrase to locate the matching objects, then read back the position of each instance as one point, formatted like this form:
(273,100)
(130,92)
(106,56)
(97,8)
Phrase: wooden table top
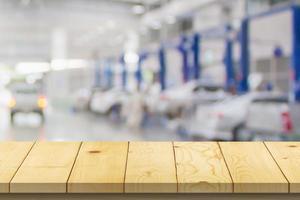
(149,167)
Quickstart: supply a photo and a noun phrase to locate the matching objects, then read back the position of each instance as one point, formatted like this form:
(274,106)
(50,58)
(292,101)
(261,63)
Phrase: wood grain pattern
(12,155)
(99,167)
(180,196)
(287,156)
(252,168)
(46,168)
(150,168)
(201,168)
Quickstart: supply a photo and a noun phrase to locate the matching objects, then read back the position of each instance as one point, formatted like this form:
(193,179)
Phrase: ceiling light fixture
(156,25)
(138,9)
(171,20)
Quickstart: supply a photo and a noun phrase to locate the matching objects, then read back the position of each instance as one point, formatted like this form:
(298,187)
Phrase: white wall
(269,31)
(208,18)
(265,34)
(214,15)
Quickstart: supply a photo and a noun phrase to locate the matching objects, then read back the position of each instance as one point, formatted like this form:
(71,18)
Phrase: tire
(114,113)
(175,114)
(42,115)
(236,134)
(182,133)
(197,138)
(12,114)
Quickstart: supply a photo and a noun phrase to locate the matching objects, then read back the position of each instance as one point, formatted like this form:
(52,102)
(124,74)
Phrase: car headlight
(12,102)
(42,102)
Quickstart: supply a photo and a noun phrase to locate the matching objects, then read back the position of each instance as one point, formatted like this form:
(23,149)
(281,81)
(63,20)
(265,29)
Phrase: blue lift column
(196,52)
(138,73)
(162,70)
(228,61)
(98,78)
(108,74)
(124,72)
(183,48)
(244,57)
(296,53)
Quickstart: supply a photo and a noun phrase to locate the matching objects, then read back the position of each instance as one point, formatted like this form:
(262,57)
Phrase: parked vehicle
(173,101)
(271,118)
(27,98)
(224,119)
(203,103)
(81,99)
(107,101)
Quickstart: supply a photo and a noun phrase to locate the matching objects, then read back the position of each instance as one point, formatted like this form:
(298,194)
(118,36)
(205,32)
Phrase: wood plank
(99,167)
(201,168)
(150,168)
(46,168)
(252,168)
(181,196)
(287,156)
(12,155)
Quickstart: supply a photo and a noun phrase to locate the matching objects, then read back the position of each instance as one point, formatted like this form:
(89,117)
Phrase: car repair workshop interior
(151,70)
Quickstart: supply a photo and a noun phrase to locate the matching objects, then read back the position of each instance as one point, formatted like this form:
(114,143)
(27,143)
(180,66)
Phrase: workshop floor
(65,125)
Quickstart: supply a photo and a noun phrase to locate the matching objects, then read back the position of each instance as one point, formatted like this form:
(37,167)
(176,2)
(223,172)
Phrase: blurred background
(149,70)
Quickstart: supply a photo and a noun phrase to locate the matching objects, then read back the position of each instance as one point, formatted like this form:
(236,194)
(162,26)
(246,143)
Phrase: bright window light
(32,67)
(156,25)
(59,64)
(131,58)
(77,63)
(62,64)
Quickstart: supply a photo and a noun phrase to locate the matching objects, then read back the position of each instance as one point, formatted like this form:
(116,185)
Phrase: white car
(173,101)
(271,118)
(104,102)
(27,98)
(222,120)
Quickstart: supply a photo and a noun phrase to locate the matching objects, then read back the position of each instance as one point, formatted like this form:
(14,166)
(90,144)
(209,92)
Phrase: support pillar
(244,57)
(295,62)
(162,71)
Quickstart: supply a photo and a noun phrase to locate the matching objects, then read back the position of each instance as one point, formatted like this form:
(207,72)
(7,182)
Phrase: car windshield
(25,89)
(275,99)
(209,88)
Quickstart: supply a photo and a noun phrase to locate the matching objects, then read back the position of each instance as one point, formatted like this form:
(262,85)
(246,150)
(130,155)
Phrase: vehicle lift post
(124,72)
(228,60)
(183,48)
(138,74)
(162,70)
(244,57)
(295,58)
(196,56)
(98,71)
(108,74)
